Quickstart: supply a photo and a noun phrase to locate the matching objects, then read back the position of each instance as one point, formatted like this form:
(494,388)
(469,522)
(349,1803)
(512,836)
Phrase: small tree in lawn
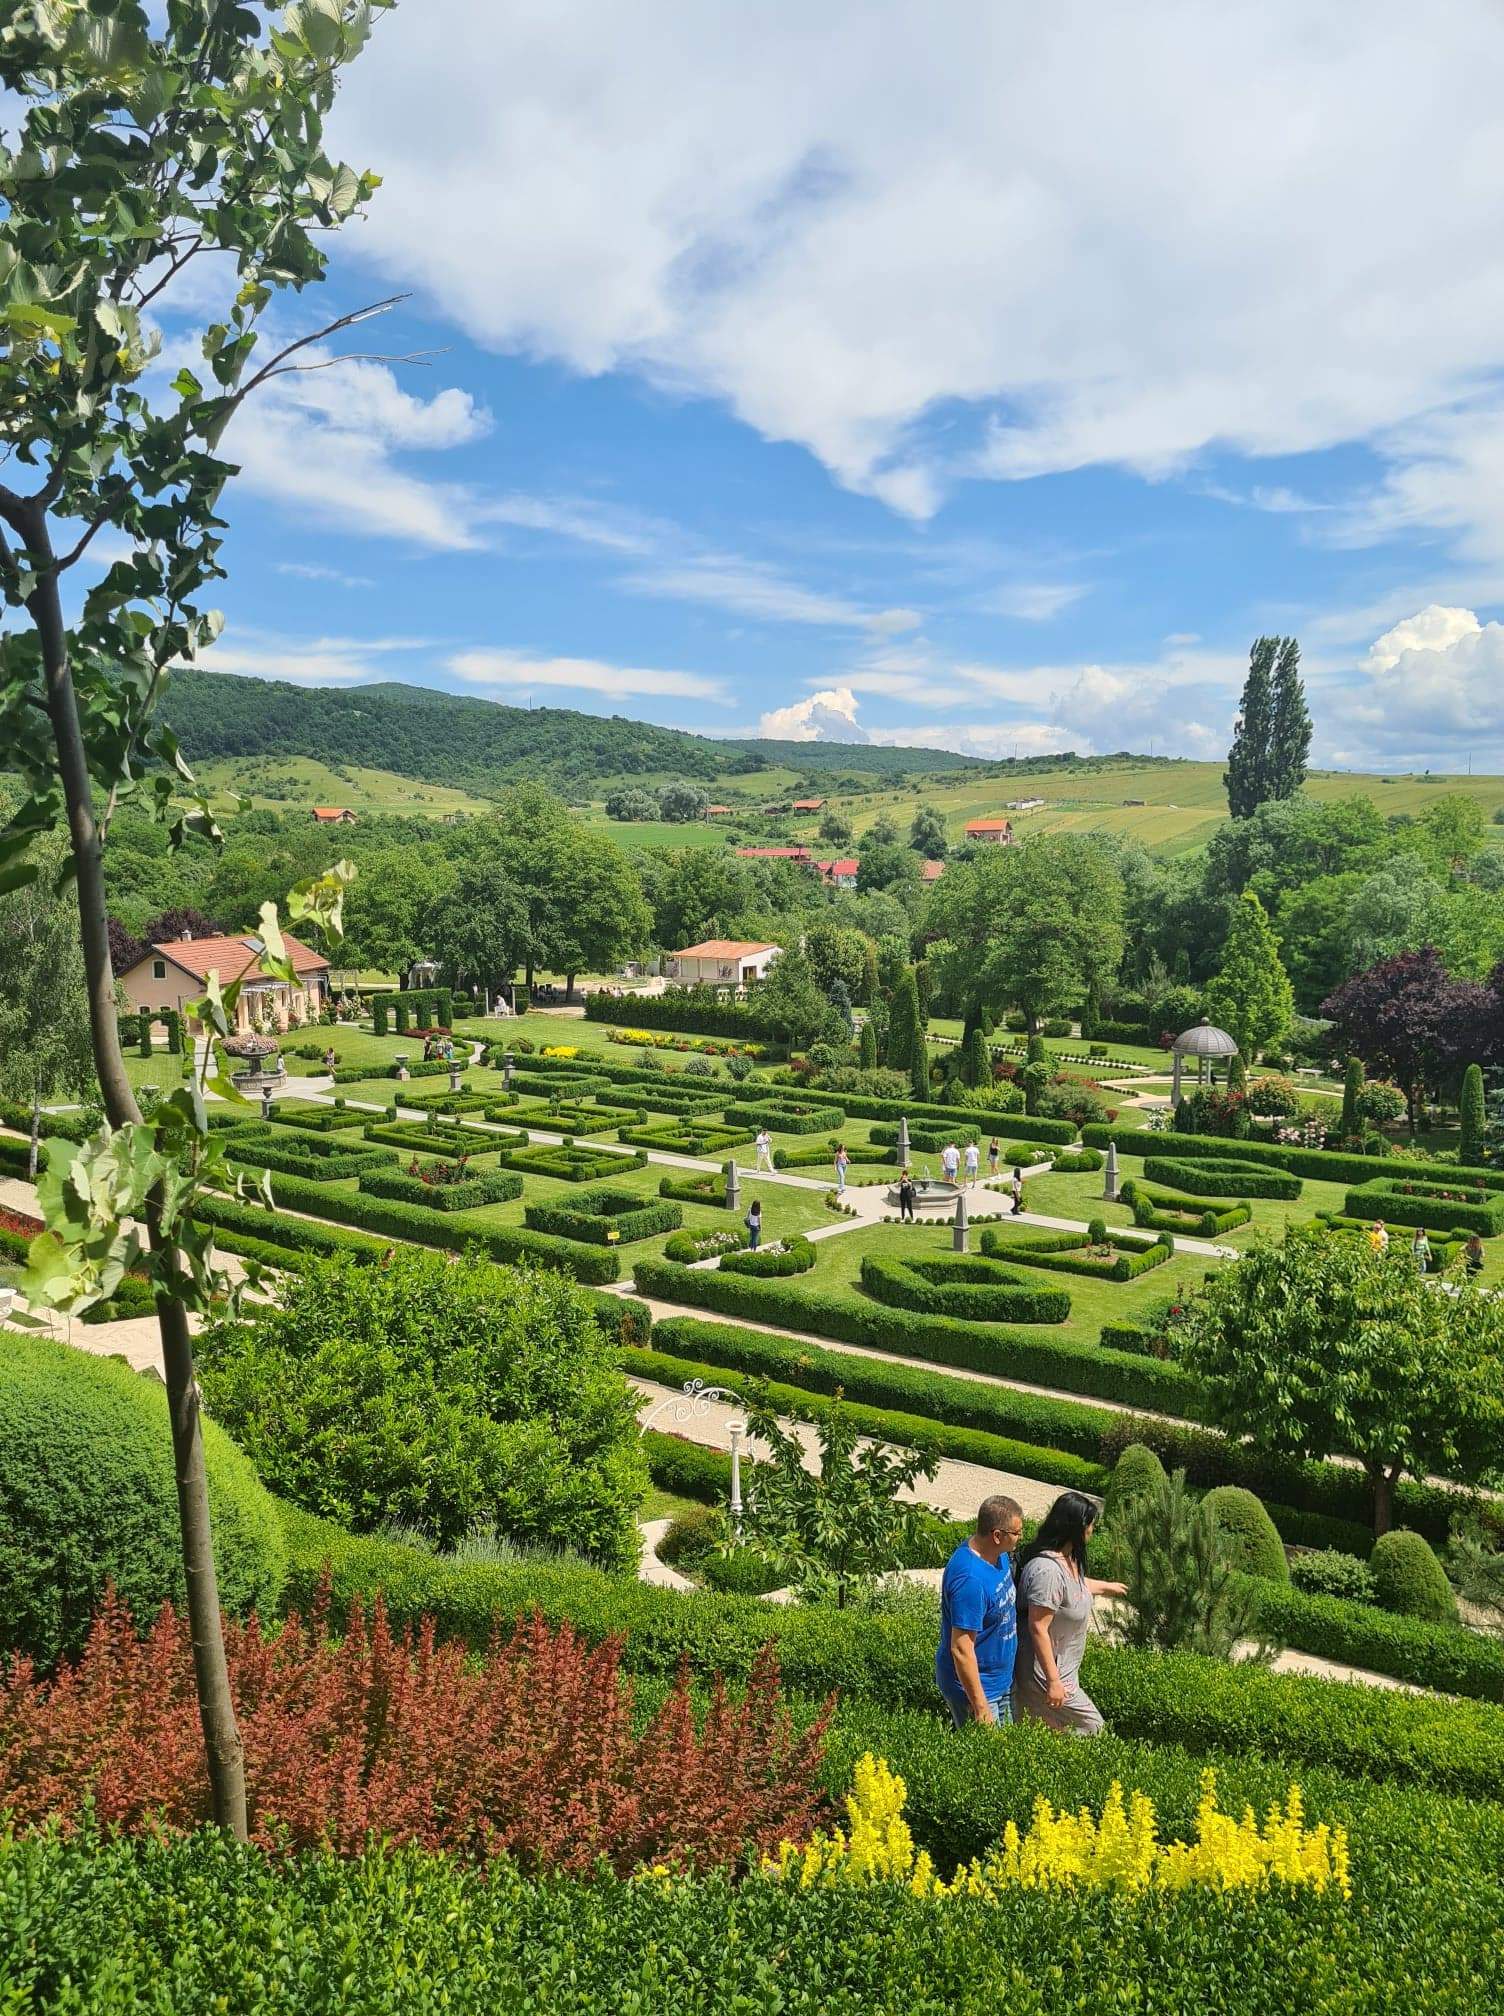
(927,834)
(830,1529)
(147,137)
(45,1051)
(1472,1114)
(1182,1588)
(1320,1347)
(1251,996)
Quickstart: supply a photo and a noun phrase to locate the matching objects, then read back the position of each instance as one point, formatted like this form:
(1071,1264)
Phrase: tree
(478,929)
(632,803)
(976,1059)
(835,954)
(1183,1593)
(905,1032)
(839,997)
(919,1069)
(868,993)
(1398,908)
(1352,1092)
(45,1051)
(183,922)
(695,894)
(584,902)
(681,802)
(883,832)
(885,865)
(927,834)
(835,829)
(391,908)
(1450,832)
(1272,737)
(892,961)
(832,1529)
(1251,996)
(1290,727)
(146,138)
(867,1046)
(1321,1347)
(1407,1018)
(1470,1111)
(789,1006)
(1030,927)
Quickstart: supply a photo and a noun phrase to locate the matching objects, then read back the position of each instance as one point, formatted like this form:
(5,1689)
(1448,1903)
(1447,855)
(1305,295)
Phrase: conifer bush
(1409,1579)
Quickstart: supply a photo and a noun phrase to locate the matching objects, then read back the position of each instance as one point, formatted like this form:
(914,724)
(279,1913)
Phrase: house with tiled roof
(173,974)
(332,815)
(721,962)
(840,874)
(774,854)
(931,871)
(808,804)
(990,832)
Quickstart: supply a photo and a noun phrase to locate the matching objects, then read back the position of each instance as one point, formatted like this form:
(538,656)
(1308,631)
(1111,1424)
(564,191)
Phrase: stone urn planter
(260,1058)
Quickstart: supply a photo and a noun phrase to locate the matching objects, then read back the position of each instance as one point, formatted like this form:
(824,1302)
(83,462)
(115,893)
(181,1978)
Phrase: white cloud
(1032,601)
(826,716)
(869,227)
(749,588)
(1431,630)
(1430,691)
(310,661)
(520,671)
(310,570)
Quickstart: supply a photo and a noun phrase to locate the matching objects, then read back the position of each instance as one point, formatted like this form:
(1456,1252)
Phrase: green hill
(455,740)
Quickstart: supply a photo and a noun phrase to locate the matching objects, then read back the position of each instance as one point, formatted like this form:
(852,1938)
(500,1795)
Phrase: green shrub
(14,1156)
(796,1257)
(88,1496)
(1137,1473)
(977,1290)
(439,1396)
(1409,1579)
(476,1188)
(595,1215)
(1414,1200)
(1325,1165)
(1212,1176)
(277,1231)
(1077,1162)
(1167,1211)
(706,1189)
(1249,1534)
(569,1164)
(1327,1572)
(1066,1253)
(686,1136)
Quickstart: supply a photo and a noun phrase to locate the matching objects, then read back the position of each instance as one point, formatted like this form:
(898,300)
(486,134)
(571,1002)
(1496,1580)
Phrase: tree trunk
(568,986)
(1383,1482)
(36,1132)
(222,1746)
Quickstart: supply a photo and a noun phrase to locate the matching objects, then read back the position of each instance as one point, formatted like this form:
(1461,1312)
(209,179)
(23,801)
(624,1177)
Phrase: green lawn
(161,1070)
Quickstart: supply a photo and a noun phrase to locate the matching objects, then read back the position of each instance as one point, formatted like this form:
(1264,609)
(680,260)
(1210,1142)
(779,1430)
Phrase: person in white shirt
(950,1160)
(973,1157)
(764,1149)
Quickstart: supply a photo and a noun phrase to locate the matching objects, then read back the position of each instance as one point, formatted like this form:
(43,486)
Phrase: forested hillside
(446,738)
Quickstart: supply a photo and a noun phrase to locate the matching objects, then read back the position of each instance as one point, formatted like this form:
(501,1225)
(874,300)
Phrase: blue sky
(980,381)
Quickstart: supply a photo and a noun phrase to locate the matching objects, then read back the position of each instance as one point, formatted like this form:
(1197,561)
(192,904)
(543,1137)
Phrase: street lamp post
(736,1430)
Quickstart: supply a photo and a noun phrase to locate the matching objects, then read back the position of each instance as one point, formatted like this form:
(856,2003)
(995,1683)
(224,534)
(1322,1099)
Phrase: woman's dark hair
(1063,1530)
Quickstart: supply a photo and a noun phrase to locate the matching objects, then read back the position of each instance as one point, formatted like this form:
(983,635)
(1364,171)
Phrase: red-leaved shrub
(531,1754)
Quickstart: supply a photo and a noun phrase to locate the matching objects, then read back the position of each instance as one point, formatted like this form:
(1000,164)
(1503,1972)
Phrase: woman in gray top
(1055,1599)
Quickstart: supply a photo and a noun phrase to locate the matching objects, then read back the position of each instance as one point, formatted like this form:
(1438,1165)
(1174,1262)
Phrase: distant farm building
(1135,801)
(931,871)
(990,832)
(775,854)
(333,815)
(808,804)
(717,811)
(839,874)
(1025,804)
(721,962)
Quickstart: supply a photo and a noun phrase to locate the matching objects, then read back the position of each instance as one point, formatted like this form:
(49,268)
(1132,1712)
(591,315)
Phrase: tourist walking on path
(973,1156)
(753,1223)
(843,1163)
(1016,1192)
(764,1145)
(950,1161)
(1472,1255)
(905,1199)
(1420,1251)
(1055,1601)
(994,1152)
(1378,1237)
(974,1660)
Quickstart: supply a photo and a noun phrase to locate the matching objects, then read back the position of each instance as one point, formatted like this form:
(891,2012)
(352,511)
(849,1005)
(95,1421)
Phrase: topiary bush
(88,1496)
(1137,1472)
(1329,1572)
(1251,1537)
(1409,1579)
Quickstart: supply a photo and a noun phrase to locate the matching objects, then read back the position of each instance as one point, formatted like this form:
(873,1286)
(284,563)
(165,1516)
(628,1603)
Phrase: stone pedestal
(903,1144)
(959,1226)
(1110,1185)
(733,1186)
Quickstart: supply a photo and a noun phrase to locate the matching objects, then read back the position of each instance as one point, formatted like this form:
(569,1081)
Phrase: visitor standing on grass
(1016,1192)
(973,1157)
(1420,1251)
(950,1161)
(905,1199)
(1055,1602)
(978,1624)
(753,1223)
(843,1163)
(1472,1255)
(764,1145)
(994,1153)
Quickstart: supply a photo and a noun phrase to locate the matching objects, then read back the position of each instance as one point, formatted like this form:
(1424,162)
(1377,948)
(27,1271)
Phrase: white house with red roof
(721,962)
(172,975)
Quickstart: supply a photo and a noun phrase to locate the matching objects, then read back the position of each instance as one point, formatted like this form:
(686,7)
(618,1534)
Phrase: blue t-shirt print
(976,1597)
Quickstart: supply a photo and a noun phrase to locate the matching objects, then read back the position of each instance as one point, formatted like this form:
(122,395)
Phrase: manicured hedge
(568,1164)
(975,1290)
(482,1186)
(251,1226)
(1077,1162)
(64,1126)
(436,1228)
(1168,1211)
(686,1136)
(906,1431)
(933,1117)
(1210,1176)
(320,1119)
(857,1153)
(797,1257)
(1045,1360)
(563,1119)
(786,1116)
(701,1011)
(1324,1165)
(1446,1657)
(1410,1200)
(322,1161)
(688,1469)
(15,1155)
(707,1189)
(1068,1253)
(598,1213)
(454,1138)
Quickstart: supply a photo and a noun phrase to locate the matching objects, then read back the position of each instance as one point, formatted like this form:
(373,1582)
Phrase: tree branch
(279,363)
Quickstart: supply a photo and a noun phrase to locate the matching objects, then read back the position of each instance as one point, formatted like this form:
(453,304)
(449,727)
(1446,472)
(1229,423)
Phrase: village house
(801,854)
(839,874)
(931,871)
(721,962)
(808,804)
(990,832)
(173,974)
(333,815)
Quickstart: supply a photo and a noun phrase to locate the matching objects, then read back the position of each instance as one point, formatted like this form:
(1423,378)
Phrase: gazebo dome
(1204,1040)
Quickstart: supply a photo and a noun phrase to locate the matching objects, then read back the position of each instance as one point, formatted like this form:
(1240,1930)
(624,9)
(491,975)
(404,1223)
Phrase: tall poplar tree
(1247,774)
(1290,729)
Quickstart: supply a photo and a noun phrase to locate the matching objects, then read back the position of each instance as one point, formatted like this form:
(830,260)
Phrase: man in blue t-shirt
(978,1619)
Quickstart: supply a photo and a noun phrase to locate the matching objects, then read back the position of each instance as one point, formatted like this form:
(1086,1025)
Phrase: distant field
(286,783)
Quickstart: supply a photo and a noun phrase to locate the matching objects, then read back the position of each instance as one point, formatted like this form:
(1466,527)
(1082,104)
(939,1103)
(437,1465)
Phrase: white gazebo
(1206,1044)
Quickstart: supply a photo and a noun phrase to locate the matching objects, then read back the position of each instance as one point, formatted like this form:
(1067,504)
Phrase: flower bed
(781,1257)
(568,1163)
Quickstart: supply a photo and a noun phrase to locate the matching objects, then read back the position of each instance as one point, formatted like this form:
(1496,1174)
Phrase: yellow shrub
(1122,1848)
(560,1050)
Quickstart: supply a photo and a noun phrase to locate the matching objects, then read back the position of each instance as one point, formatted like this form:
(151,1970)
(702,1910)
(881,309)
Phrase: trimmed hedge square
(976,1289)
(599,1214)
(569,1164)
(477,1187)
(1412,1200)
(1211,1176)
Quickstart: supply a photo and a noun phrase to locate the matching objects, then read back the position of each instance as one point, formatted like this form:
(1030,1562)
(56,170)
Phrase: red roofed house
(721,962)
(931,871)
(774,853)
(840,874)
(717,811)
(990,832)
(172,975)
(333,815)
(808,804)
